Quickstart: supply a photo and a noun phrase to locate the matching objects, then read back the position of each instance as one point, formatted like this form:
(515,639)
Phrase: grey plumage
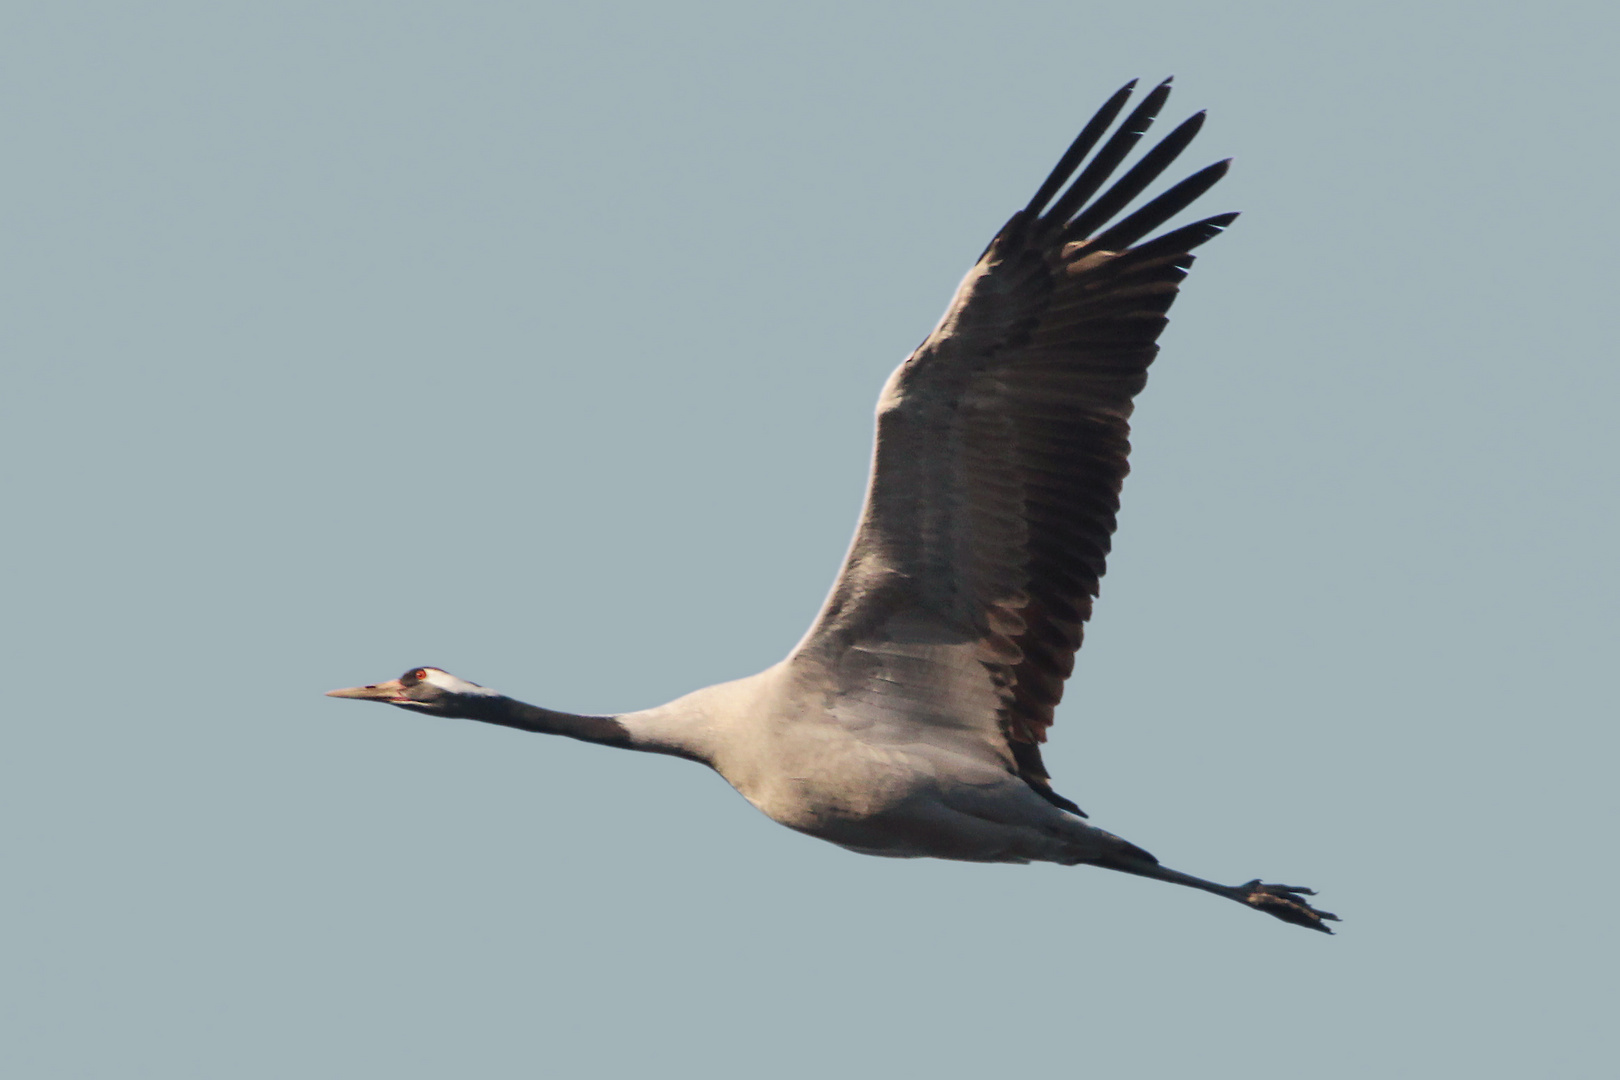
(909,719)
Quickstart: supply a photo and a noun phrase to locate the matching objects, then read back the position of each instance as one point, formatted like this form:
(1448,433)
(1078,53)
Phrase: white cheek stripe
(446,681)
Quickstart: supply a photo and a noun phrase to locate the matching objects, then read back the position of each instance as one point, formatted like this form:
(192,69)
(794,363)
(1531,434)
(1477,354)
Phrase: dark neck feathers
(525,717)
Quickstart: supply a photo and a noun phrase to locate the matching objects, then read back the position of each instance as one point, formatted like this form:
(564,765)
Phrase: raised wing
(1001,450)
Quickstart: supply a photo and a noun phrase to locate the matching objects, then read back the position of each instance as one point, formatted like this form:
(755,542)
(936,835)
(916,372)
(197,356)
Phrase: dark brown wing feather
(1001,450)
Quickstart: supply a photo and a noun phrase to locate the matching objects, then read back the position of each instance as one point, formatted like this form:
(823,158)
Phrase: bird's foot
(1286,902)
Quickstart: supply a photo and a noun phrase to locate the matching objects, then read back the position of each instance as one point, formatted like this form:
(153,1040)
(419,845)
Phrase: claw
(1285,902)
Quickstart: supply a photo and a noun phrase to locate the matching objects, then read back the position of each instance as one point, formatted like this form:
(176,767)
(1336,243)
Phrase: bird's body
(872,787)
(908,721)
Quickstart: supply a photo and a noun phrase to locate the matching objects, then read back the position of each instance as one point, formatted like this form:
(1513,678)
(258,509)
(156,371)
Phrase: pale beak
(392,691)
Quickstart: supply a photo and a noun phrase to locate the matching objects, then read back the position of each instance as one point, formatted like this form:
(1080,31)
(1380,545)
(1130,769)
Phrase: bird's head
(429,690)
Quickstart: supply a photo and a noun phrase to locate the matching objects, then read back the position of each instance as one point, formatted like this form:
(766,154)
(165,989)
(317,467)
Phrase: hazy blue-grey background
(540,342)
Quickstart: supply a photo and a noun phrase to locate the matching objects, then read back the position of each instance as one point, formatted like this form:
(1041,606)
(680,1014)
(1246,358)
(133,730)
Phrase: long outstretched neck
(511,713)
(606,730)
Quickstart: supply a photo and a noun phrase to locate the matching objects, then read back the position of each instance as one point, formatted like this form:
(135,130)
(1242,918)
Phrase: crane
(909,720)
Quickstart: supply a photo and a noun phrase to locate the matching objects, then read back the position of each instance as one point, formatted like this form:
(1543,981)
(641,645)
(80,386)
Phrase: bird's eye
(419,674)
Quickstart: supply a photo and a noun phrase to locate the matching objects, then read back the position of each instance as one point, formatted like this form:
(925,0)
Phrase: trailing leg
(1286,902)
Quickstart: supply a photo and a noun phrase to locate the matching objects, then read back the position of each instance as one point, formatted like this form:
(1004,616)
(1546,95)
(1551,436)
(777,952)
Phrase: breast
(900,801)
(879,789)
(822,783)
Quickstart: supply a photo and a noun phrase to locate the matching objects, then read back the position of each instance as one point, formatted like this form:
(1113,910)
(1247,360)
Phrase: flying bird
(909,720)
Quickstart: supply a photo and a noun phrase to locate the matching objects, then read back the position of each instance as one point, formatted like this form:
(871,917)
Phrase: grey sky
(540,343)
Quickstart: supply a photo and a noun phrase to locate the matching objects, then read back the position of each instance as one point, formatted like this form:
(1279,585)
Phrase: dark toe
(1285,902)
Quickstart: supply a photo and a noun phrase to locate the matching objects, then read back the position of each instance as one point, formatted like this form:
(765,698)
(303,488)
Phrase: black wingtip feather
(1160,210)
(1108,158)
(1183,239)
(1077,151)
(1134,182)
